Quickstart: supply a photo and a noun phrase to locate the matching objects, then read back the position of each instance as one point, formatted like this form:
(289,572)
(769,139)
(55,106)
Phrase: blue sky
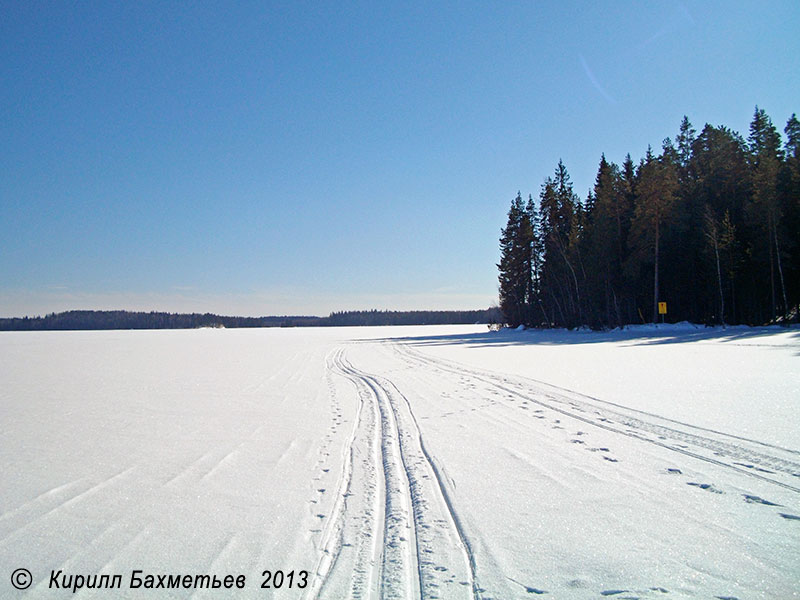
(299,158)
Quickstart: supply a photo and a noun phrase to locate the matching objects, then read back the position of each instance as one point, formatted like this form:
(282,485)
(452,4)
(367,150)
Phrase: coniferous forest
(710,225)
(122,319)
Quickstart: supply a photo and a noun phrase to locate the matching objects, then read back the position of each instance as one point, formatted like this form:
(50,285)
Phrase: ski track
(393,532)
(363,521)
(766,462)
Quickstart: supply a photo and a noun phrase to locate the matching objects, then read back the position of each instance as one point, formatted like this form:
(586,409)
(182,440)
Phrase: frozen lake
(405,462)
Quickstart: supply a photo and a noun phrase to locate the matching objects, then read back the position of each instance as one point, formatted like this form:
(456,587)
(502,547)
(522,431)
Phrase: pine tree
(766,157)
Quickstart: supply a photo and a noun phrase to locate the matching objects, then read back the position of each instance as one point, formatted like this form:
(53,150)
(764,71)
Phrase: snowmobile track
(750,457)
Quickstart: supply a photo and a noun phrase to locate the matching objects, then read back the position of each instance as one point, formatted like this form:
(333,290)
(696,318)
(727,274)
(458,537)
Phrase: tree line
(121,319)
(710,225)
(414,317)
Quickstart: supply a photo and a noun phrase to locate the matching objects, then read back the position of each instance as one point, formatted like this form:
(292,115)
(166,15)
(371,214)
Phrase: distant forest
(711,226)
(121,319)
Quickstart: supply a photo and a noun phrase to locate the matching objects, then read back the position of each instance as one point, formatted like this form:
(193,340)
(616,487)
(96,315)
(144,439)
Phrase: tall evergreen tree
(656,193)
(685,141)
(605,244)
(766,157)
(790,208)
(515,264)
(536,312)
(558,205)
(792,131)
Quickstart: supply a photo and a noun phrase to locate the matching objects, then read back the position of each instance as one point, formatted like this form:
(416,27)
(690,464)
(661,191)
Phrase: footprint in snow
(527,588)
(756,500)
(705,486)
(616,592)
(674,471)
(790,517)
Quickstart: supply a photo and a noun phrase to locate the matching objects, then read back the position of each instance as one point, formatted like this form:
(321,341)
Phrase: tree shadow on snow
(640,335)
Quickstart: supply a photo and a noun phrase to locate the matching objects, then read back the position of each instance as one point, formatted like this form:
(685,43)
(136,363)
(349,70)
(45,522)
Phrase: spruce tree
(790,207)
(557,216)
(766,157)
(605,241)
(685,141)
(514,264)
(535,273)
(656,194)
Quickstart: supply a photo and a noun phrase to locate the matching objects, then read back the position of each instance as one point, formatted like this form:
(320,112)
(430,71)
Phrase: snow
(399,462)
(711,377)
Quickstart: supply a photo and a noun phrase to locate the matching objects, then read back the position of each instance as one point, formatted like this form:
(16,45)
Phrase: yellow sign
(662,308)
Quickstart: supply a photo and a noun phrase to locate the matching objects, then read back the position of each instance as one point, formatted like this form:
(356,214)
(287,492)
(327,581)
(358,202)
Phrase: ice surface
(432,462)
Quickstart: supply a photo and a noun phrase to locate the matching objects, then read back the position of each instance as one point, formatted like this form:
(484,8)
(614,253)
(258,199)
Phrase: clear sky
(299,158)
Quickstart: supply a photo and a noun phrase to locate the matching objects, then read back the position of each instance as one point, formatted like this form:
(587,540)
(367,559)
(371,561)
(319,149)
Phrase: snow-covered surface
(744,380)
(407,462)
